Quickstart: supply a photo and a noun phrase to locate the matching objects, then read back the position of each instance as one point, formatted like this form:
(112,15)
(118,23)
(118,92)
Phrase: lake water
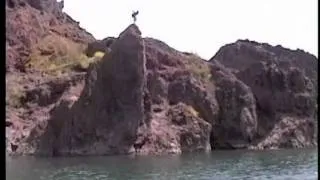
(224,165)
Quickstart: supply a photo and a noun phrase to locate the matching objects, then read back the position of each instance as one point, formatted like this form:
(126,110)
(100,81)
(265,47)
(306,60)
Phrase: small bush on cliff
(56,54)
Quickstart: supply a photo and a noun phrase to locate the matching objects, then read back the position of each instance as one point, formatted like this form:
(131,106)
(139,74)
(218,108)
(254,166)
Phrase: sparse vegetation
(56,54)
(198,67)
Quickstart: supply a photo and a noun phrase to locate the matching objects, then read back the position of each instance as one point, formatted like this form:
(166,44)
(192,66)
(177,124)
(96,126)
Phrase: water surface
(224,165)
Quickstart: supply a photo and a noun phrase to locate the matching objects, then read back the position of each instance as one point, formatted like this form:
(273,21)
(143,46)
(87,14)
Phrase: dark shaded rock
(100,45)
(236,125)
(188,90)
(8,123)
(243,53)
(109,111)
(283,85)
(279,91)
(13,147)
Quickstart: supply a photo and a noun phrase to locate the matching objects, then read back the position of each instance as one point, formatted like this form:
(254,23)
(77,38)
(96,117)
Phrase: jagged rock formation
(144,97)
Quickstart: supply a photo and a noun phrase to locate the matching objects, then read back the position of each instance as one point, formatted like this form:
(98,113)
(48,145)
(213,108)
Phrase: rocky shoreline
(144,97)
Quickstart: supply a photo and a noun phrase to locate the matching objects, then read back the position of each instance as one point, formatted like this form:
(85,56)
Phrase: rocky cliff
(144,97)
(42,43)
(284,84)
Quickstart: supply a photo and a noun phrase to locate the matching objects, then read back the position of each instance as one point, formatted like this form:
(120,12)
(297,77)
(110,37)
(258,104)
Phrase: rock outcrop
(284,84)
(144,97)
(126,106)
(243,53)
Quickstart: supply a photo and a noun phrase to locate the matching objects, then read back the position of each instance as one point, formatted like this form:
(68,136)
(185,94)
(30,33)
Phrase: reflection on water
(280,164)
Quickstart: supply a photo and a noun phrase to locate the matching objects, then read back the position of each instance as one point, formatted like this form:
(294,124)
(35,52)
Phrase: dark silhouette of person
(134,14)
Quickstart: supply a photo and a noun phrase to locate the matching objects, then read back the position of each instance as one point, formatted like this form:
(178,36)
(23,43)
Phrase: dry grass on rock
(56,54)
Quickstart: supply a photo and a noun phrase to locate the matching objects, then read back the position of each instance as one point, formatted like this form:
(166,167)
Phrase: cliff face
(144,97)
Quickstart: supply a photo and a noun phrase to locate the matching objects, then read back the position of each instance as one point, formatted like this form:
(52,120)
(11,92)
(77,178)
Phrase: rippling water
(224,165)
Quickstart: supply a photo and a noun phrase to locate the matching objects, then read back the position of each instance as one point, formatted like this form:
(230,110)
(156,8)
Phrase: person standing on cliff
(134,14)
